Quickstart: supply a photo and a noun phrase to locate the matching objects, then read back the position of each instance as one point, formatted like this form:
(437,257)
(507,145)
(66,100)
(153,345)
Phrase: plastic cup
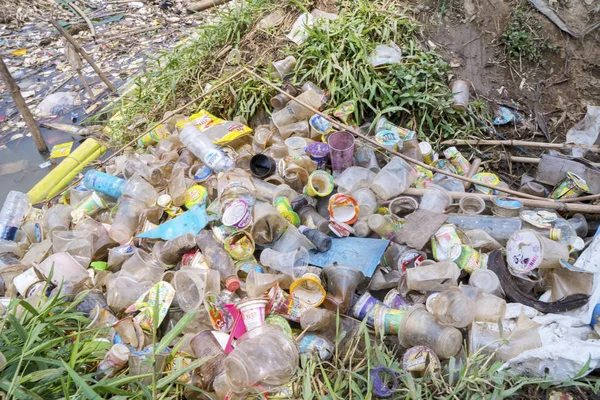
(533,188)
(489,308)
(486,280)
(253,311)
(343,208)
(309,289)
(341,150)
(88,207)
(383,225)
(308,215)
(189,288)
(57,218)
(471,204)
(579,223)
(435,199)
(240,245)
(367,202)
(387,320)
(205,346)
(122,291)
(342,281)
(280,100)
(262,166)
(142,363)
(451,307)
(294,111)
(403,205)
(142,267)
(126,220)
(527,250)
(285,66)
(299,129)
(319,153)
(292,263)
(365,157)
(419,328)
(520,340)
(365,307)
(320,183)
(295,146)
(77,243)
(460,93)
(506,208)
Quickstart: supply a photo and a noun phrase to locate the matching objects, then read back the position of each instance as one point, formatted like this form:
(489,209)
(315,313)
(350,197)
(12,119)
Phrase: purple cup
(341,149)
(319,153)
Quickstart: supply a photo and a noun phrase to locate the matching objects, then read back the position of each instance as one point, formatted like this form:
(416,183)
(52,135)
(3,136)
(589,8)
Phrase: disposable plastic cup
(205,346)
(143,363)
(285,66)
(489,308)
(486,280)
(300,128)
(262,166)
(451,307)
(294,111)
(295,146)
(292,263)
(189,288)
(77,243)
(123,290)
(533,188)
(506,208)
(320,183)
(142,267)
(58,218)
(319,153)
(253,311)
(343,208)
(579,223)
(341,150)
(309,289)
(342,281)
(403,205)
(471,205)
(419,328)
(127,219)
(527,250)
(367,202)
(460,93)
(280,100)
(309,215)
(292,240)
(435,199)
(365,157)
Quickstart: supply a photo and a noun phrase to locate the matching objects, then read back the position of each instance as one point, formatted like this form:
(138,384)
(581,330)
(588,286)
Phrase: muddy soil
(469,33)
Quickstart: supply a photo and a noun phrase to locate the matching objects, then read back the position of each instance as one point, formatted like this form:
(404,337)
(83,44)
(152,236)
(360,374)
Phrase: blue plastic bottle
(104,183)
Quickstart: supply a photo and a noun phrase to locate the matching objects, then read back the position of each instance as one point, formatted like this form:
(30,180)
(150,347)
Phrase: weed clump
(522,40)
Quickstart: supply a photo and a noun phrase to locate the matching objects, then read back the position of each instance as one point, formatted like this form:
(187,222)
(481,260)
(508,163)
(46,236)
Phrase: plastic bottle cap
(555,234)
(232,283)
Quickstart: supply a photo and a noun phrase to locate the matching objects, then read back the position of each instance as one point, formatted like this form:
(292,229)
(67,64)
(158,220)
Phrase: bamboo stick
(522,143)
(542,203)
(15,92)
(531,160)
(204,4)
(374,142)
(85,18)
(84,54)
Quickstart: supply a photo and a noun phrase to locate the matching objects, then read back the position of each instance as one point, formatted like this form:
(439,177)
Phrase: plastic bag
(217,129)
(586,131)
(57,104)
(385,54)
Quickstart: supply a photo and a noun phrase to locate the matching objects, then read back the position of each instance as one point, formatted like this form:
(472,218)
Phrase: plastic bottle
(383,225)
(203,148)
(217,258)
(499,228)
(12,213)
(321,241)
(103,183)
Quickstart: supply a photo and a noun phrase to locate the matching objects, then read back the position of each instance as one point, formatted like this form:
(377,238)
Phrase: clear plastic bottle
(500,228)
(203,148)
(12,214)
(217,258)
(104,183)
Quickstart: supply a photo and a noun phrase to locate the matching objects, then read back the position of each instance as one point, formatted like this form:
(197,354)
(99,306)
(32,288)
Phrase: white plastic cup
(296,146)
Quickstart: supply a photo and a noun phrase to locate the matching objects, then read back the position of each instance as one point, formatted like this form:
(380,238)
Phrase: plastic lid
(232,283)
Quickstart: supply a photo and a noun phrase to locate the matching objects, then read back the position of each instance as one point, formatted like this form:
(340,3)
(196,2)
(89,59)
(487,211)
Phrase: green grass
(523,38)
(414,93)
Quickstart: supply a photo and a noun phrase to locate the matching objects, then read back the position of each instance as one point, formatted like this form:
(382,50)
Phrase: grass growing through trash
(522,38)
(51,354)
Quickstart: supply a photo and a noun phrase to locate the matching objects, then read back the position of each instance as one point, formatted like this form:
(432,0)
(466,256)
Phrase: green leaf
(176,374)
(177,329)
(88,392)
(19,392)
(585,369)
(42,375)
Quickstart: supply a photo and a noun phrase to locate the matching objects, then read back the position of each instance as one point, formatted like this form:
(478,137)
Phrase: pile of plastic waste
(272,235)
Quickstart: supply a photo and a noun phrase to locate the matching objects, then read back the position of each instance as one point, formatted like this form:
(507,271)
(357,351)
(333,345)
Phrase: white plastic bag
(586,131)
(385,54)
(57,104)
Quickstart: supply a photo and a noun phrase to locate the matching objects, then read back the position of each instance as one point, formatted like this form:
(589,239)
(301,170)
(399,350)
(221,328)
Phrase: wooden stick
(372,141)
(183,107)
(474,167)
(531,160)
(522,143)
(85,18)
(15,92)
(85,84)
(542,203)
(203,5)
(84,54)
